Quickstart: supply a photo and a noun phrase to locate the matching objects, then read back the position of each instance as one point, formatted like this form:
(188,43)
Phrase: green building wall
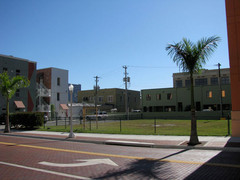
(175,102)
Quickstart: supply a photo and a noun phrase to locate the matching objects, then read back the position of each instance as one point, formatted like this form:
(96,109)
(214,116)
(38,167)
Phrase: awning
(19,104)
(64,106)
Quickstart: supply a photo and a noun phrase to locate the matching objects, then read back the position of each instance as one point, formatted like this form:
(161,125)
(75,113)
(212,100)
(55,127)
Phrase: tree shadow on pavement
(143,169)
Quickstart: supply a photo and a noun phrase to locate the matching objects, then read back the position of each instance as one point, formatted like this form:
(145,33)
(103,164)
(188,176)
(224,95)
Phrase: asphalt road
(26,158)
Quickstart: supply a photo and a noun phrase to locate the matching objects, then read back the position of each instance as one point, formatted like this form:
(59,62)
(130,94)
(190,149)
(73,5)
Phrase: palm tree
(190,57)
(8,87)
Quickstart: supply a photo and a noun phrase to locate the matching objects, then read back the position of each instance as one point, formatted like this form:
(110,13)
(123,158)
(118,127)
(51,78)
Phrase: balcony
(42,91)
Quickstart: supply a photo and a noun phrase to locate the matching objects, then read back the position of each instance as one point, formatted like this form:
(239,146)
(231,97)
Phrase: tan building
(204,78)
(111,99)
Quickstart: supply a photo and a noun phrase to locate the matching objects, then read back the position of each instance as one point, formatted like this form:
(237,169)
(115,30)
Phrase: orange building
(233,27)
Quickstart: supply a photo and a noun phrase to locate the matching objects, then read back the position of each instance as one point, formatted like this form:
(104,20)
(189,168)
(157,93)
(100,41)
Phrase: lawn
(148,127)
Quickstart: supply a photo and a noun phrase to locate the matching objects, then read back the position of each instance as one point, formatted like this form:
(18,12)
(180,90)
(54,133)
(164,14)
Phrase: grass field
(149,127)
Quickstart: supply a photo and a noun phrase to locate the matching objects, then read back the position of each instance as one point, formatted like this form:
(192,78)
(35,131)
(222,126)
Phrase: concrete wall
(233,27)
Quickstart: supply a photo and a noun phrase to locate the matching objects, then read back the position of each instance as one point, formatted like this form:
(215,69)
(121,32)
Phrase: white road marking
(44,171)
(87,162)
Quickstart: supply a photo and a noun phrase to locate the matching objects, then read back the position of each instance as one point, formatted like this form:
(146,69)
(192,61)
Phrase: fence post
(65,122)
(228,118)
(120,125)
(155,125)
(90,124)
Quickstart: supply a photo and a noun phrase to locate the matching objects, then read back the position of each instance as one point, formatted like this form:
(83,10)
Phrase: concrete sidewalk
(153,141)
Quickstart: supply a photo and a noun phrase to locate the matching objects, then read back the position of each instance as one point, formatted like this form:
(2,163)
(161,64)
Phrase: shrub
(27,120)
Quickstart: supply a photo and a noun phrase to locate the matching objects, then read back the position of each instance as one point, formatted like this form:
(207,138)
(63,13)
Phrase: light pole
(71,135)
(220,88)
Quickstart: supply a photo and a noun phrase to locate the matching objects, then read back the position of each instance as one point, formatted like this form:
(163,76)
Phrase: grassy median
(147,127)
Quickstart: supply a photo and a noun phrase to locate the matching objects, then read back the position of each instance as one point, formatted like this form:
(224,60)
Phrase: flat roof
(16,58)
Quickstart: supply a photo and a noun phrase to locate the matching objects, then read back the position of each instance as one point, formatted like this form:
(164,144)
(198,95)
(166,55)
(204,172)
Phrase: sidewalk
(153,141)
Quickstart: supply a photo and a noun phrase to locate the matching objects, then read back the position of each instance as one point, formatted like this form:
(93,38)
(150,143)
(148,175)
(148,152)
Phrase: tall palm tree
(8,88)
(190,57)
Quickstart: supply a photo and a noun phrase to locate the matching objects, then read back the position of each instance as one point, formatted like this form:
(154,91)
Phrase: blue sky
(97,37)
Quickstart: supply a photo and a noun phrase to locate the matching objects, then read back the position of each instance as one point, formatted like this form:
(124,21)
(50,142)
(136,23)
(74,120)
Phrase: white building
(53,91)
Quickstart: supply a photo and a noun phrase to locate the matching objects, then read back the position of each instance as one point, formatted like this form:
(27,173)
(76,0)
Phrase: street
(27,158)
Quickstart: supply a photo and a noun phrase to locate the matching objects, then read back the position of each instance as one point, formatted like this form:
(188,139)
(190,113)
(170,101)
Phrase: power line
(153,67)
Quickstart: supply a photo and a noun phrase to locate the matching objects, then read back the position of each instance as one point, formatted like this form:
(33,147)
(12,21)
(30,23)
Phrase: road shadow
(144,169)
(225,165)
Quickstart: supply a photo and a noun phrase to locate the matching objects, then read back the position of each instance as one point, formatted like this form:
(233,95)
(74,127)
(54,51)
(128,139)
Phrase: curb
(130,143)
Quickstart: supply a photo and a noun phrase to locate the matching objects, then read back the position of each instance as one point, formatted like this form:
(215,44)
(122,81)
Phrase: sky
(98,37)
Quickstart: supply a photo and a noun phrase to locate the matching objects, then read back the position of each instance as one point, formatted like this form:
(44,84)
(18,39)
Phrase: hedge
(27,120)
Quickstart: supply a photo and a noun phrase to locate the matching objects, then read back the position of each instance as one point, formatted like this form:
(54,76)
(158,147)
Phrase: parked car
(101,115)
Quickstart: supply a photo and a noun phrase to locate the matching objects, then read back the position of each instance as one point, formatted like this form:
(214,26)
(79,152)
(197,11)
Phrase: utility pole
(126,79)
(96,88)
(220,88)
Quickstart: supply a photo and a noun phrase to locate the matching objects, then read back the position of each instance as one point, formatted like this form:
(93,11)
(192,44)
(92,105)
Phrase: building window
(169,96)
(201,82)
(5,69)
(110,98)
(100,99)
(209,94)
(58,96)
(85,99)
(223,93)
(148,97)
(18,93)
(214,81)
(178,83)
(225,80)
(17,72)
(158,97)
(187,83)
(58,81)
(121,99)
(91,98)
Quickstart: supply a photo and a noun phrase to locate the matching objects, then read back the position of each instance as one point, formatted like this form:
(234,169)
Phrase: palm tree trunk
(7,127)
(193,137)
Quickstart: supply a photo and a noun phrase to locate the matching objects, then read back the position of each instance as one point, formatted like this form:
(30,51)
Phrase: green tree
(190,57)
(8,88)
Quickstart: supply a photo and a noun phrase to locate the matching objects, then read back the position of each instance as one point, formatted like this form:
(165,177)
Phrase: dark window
(58,81)
(225,80)
(158,96)
(180,106)
(201,82)
(178,83)
(198,106)
(85,99)
(158,109)
(187,83)
(169,96)
(58,96)
(5,69)
(18,93)
(17,72)
(148,97)
(214,81)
